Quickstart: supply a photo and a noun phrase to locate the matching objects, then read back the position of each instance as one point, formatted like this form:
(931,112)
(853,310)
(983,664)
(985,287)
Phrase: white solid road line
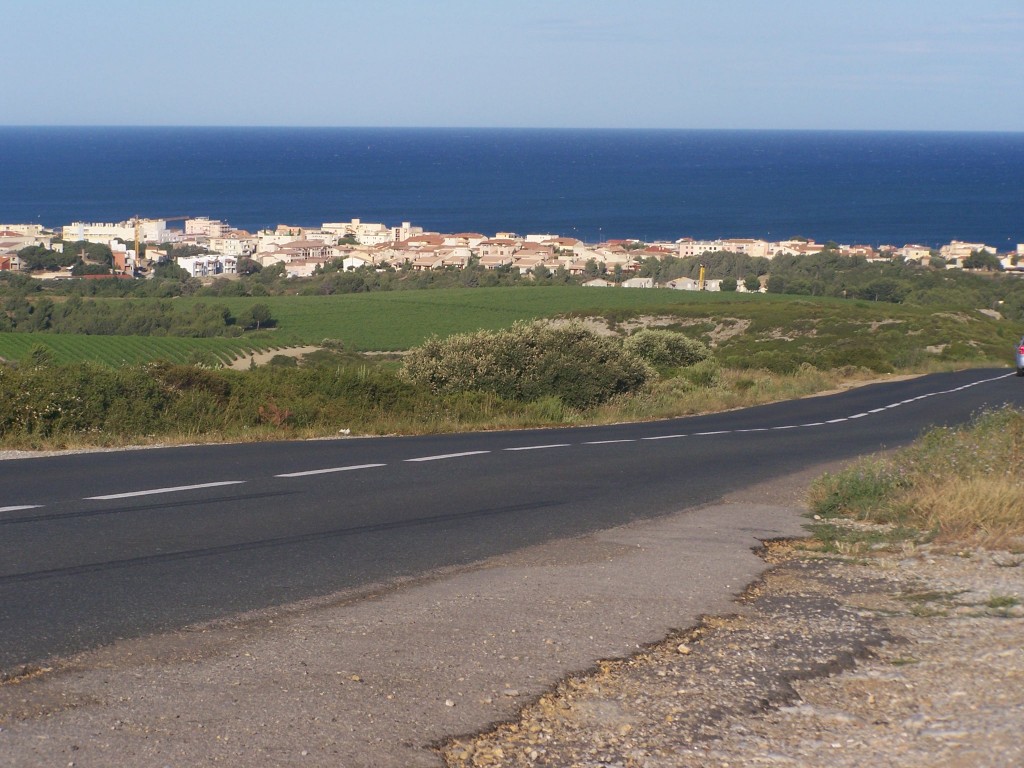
(153,491)
(448,456)
(331,469)
(19,509)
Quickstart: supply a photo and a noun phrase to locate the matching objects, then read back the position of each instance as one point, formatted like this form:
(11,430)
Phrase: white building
(689,284)
(638,282)
(235,243)
(23,230)
(13,240)
(150,231)
(918,253)
(688,247)
(208,265)
(959,250)
(356,261)
(367,233)
(203,225)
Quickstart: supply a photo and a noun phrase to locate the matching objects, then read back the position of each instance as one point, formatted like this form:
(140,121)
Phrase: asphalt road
(96,547)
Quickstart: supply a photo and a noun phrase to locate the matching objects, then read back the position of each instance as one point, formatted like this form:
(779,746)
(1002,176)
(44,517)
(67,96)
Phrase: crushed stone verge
(909,658)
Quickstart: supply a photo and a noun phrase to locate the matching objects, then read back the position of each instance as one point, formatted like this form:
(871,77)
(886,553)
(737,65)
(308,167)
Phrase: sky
(733,64)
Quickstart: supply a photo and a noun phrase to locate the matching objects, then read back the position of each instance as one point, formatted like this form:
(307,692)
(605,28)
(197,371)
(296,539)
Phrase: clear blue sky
(831,64)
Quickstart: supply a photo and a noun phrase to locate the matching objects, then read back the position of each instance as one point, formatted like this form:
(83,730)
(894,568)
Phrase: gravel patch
(911,658)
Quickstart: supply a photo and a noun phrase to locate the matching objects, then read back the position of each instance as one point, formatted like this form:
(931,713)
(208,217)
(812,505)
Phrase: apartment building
(150,231)
(958,251)
(204,226)
(366,233)
(236,243)
(208,265)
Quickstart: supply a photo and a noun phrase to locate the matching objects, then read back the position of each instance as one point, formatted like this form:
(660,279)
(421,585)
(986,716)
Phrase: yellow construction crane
(701,282)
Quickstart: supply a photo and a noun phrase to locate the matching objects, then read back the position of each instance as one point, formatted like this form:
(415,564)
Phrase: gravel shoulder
(913,658)
(667,643)
(381,676)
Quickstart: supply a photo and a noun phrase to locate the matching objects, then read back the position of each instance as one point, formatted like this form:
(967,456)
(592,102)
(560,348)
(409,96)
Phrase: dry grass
(984,510)
(952,486)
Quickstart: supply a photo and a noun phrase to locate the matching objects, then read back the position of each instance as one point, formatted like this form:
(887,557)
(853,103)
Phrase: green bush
(703,375)
(666,349)
(66,400)
(284,361)
(527,362)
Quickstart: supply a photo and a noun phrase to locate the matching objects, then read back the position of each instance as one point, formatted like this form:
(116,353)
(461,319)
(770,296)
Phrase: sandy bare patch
(262,358)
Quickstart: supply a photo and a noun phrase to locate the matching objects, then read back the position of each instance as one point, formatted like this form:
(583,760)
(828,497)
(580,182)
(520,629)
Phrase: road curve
(97,547)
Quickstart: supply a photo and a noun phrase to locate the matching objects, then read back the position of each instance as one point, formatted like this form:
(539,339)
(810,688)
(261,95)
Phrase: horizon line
(606,129)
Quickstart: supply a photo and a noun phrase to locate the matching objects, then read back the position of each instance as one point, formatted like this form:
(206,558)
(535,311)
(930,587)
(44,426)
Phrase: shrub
(666,349)
(284,361)
(704,375)
(64,400)
(38,356)
(190,378)
(527,362)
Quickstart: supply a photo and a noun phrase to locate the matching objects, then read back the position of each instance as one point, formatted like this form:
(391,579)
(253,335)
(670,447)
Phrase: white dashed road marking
(331,469)
(439,457)
(448,456)
(540,447)
(153,491)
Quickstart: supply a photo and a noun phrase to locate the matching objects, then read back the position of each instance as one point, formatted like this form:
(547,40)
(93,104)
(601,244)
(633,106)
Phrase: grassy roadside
(961,486)
(74,406)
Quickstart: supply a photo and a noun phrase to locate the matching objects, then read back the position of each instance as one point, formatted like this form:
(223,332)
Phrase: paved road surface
(97,547)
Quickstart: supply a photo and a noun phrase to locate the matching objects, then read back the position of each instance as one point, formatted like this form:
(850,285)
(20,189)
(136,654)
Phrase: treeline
(831,274)
(75,255)
(127,318)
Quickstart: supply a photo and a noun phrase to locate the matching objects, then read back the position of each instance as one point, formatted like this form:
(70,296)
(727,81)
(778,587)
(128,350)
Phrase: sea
(869,188)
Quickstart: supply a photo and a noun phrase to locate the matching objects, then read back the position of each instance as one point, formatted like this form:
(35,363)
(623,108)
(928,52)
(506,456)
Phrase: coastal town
(216,249)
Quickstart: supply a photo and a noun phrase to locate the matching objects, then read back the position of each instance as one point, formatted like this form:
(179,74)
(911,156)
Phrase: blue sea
(851,187)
